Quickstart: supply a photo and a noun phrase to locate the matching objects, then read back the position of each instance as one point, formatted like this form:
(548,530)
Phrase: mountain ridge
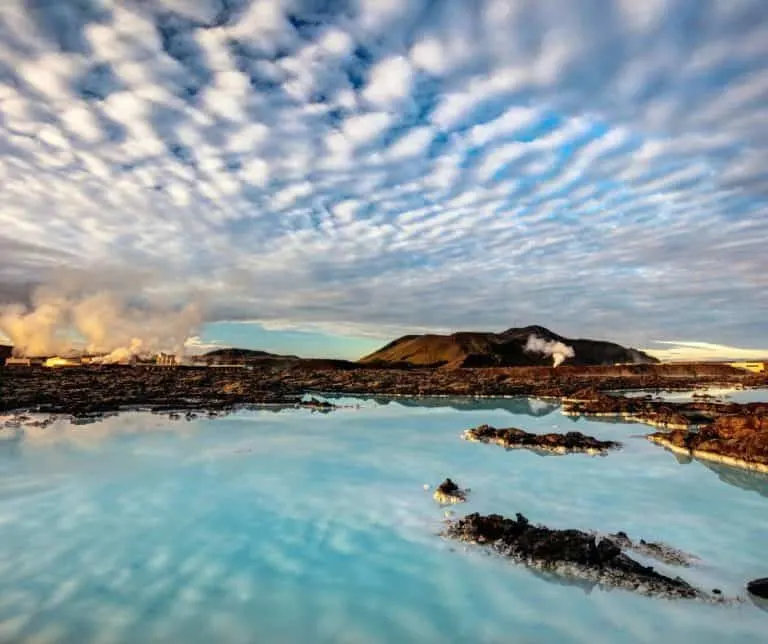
(525,346)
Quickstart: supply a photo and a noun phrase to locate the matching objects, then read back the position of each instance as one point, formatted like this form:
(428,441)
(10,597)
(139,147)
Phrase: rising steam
(97,323)
(559,351)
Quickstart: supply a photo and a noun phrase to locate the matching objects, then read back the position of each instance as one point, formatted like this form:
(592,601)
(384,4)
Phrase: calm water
(300,527)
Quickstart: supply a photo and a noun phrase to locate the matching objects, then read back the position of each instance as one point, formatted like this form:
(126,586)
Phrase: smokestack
(559,351)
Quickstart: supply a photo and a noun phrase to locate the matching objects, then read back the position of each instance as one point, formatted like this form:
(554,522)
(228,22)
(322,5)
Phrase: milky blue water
(301,527)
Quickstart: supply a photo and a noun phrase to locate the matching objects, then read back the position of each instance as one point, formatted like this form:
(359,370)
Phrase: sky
(326,175)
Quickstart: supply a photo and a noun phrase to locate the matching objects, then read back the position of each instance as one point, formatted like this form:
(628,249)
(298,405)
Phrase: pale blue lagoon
(292,526)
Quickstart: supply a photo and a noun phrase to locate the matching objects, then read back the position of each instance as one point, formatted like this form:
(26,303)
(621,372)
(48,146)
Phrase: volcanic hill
(527,346)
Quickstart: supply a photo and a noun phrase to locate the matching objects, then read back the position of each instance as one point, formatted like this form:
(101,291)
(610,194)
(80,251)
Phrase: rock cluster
(571,553)
(513,438)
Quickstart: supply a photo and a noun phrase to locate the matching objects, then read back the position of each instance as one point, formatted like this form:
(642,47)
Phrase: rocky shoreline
(739,440)
(728,433)
(551,443)
(88,392)
(571,554)
(111,387)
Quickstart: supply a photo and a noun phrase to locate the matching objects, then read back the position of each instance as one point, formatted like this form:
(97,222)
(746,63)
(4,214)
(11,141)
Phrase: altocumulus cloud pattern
(593,165)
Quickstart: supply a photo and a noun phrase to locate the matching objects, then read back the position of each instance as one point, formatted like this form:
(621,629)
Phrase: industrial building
(755,367)
(18,362)
(166,360)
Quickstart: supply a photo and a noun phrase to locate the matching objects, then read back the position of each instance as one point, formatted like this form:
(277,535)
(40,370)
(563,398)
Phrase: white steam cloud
(98,323)
(559,351)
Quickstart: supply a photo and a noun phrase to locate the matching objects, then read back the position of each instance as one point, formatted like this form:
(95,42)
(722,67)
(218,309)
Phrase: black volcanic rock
(552,443)
(466,349)
(568,553)
(759,587)
(655,550)
(448,492)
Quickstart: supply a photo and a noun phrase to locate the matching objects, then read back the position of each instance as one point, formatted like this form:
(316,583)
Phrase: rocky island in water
(551,443)
(572,553)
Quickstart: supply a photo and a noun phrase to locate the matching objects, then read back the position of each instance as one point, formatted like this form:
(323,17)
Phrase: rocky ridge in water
(654,550)
(734,439)
(552,443)
(570,553)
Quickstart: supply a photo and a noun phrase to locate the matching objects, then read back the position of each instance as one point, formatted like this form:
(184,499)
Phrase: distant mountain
(234,355)
(527,346)
(264,358)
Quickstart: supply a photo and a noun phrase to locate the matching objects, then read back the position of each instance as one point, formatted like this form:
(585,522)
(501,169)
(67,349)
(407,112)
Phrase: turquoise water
(294,526)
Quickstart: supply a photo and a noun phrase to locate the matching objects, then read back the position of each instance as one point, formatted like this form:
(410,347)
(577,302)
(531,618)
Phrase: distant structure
(166,360)
(18,362)
(57,361)
(755,367)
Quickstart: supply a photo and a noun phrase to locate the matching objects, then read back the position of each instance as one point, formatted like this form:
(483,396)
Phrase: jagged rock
(739,439)
(654,550)
(513,438)
(448,492)
(570,553)
(759,587)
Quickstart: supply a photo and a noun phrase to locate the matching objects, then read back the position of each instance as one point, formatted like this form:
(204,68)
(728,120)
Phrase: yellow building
(755,367)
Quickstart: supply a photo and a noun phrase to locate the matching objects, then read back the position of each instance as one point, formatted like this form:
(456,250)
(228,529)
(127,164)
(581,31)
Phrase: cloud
(369,165)
(681,351)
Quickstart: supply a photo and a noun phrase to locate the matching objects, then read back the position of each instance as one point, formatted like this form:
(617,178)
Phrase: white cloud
(365,128)
(389,82)
(681,351)
(592,168)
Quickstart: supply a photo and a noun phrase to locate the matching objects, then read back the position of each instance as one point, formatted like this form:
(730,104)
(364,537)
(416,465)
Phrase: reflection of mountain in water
(745,479)
(525,406)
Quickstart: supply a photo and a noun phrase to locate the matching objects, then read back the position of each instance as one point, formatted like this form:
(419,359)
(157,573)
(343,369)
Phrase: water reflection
(535,407)
(736,476)
(744,479)
(759,602)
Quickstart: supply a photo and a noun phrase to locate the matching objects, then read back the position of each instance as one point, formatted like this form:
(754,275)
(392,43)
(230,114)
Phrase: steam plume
(557,350)
(100,323)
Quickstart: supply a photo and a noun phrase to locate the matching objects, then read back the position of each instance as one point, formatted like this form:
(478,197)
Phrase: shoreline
(709,456)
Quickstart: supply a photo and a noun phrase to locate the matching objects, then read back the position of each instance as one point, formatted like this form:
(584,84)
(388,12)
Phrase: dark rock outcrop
(654,550)
(570,553)
(448,493)
(739,439)
(513,438)
(759,587)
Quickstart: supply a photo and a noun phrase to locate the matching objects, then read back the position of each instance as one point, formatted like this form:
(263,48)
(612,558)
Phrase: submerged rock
(654,550)
(513,438)
(569,553)
(759,587)
(448,492)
